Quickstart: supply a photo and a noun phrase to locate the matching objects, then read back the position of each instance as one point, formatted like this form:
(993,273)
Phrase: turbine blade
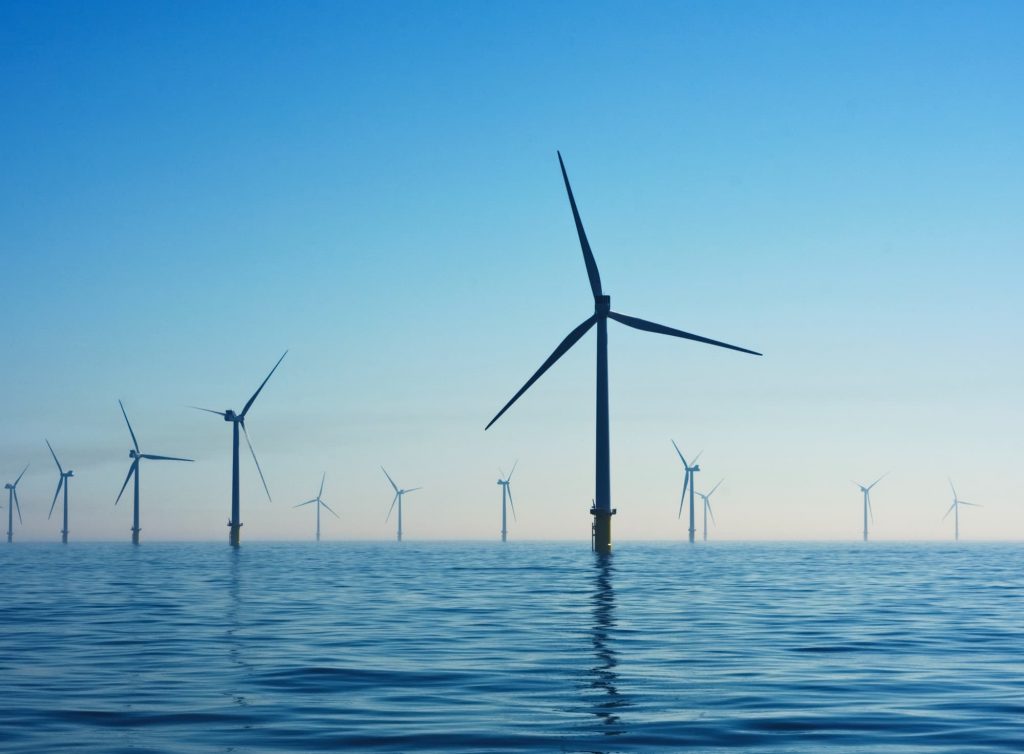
(256,460)
(681,457)
(710,509)
(20,475)
(395,500)
(509,477)
(59,468)
(871,512)
(17,506)
(305,503)
(878,480)
(514,516)
(642,324)
(715,487)
(413,490)
(166,458)
(952,488)
(973,505)
(322,479)
(131,470)
(588,255)
(950,510)
(390,479)
(325,505)
(565,345)
(130,430)
(697,457)
(682,499)
(248,405)
(55,494)
(208,410)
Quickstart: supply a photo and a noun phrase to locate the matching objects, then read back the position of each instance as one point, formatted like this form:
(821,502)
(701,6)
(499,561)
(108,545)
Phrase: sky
(190,189)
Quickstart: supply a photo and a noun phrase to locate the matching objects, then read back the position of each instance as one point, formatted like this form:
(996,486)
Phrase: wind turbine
(238,420)
(506,492)
(12,503)
(955,508)
(399,493)
(707,508)
(688,481)
(319,503)
(602,510)
(867,502)
(136,455)
(65,477)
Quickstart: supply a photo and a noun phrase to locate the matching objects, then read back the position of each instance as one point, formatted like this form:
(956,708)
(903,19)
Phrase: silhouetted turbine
(12,504)
(64,482)
(867,502)
(602,510)
(707,507)
(238,420)
(506,492)
(399,494)
(136,455)
(688,482)
(955,509)
(319,503)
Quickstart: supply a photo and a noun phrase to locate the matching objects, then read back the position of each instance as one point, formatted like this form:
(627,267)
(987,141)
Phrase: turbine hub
(602,304)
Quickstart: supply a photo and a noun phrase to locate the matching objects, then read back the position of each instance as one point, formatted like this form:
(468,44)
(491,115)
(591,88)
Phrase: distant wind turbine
(65,481)
(707,507)
(602,509)
(136,455)
(319,503)
(12,503)
(867,502)
(688,481)
(955,509)
(238,420)
(506,492)
(399,494)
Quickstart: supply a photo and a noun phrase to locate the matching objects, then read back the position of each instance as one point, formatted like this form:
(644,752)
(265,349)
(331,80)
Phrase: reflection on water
(603,678)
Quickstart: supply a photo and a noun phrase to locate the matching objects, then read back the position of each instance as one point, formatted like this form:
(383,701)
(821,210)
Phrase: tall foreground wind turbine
(319,503)
(238,420)
(136,455)
(65,481)
(506,493)
(399,494)
(688,481)
(602,510)
(867,502)
(707,507)
(955,509)
(12,503)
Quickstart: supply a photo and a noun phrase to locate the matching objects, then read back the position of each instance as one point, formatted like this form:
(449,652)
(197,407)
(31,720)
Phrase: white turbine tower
(691,469)
(506,494)
(867,502)
(319,504)
(399,494)
(955,510)
(707,507)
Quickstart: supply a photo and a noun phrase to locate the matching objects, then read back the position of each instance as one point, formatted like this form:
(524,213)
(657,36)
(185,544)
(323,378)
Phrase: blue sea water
(480,647)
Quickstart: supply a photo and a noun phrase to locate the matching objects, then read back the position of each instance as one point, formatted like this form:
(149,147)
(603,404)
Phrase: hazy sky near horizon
(189,189)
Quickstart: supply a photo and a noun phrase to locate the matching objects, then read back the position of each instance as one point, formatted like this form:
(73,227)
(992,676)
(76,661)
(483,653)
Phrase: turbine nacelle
(230,416)
(602,304)
(133,453)
(10,486)
(67,474)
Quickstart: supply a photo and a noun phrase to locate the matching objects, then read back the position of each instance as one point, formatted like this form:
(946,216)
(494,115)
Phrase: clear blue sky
(190,188)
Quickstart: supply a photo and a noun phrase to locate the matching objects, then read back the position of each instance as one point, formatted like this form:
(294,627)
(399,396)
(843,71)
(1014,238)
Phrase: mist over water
(447,647)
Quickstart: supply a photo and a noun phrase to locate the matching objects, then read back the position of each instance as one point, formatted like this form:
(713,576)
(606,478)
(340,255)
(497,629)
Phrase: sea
(859,648)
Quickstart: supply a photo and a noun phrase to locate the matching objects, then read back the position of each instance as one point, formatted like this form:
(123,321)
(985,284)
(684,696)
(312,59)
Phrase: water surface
(467,647)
